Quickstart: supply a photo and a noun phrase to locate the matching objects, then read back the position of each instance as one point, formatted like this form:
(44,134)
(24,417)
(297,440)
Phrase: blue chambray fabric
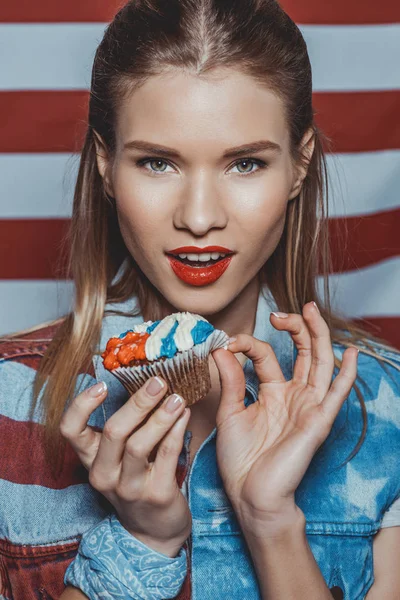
(111,563)
(343,506)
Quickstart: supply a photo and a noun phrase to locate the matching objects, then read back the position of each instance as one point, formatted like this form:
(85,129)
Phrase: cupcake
(175,348)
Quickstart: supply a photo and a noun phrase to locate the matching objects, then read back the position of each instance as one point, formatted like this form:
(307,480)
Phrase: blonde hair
(146,38)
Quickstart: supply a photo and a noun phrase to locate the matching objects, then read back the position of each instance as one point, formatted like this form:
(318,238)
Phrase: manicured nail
(173,403)
(154,386)
(316,307)
(280,314)
(98,389)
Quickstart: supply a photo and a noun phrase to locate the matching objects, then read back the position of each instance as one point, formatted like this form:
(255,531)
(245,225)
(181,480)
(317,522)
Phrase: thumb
(233,383)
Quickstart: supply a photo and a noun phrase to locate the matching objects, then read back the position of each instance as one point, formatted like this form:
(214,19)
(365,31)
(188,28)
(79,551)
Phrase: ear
(307,146)
(103,163)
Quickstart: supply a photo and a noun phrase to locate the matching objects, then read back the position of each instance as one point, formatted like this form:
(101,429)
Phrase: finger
(341,385)
(166,462)
(122,423)
(73,426)
(317,343)
(298,329)
(266,364)
(135,459)
(323,360)
(233,384)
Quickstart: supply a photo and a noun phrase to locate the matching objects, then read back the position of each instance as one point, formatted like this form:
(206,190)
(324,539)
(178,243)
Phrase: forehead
(225,107)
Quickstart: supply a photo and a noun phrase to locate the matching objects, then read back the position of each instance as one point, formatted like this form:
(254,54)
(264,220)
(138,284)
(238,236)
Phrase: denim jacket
(344,507)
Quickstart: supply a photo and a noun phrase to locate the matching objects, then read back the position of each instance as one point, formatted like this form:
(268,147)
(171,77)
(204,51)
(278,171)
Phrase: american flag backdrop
(46,53)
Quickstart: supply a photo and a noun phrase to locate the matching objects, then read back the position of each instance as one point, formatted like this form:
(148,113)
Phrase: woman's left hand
(264,450)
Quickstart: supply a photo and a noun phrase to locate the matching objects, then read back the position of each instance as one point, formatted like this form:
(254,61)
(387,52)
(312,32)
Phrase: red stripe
(29,348)
(96,11)
(21,437)
(32,248)
(359,121)
(43,121)
(54,121)
(387,328)
(369,239)
(45,334)
(48,11)
(26,570)
(342,12)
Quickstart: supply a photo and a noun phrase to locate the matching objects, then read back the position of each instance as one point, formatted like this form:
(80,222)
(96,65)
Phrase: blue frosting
(168,346)
(201,331)
(148,330)
(122,335)
(152,326)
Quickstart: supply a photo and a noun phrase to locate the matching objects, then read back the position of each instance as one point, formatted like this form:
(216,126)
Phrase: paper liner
(187,373)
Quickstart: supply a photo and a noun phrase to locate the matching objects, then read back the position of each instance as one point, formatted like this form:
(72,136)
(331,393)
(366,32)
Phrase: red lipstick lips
(195,250)
(199,276)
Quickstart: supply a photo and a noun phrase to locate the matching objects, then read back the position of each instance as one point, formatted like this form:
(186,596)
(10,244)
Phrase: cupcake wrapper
(187,373)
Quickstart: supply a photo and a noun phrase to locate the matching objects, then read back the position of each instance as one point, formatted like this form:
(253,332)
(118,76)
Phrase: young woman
(201,142)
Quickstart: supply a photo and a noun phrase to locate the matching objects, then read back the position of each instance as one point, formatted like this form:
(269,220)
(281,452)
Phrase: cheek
(141,212)
(263,238)
(260,215)
(137,231)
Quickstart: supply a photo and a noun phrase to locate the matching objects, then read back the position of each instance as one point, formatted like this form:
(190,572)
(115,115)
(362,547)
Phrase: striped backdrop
(46,51)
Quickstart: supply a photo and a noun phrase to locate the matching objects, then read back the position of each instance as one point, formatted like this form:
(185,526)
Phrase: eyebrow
(237,151)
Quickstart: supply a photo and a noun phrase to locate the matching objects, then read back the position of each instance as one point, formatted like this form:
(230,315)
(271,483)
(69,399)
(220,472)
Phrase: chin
(205,301)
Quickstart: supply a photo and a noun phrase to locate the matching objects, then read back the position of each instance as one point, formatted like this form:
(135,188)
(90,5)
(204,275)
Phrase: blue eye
(144,161)
(151,160)
(250,161)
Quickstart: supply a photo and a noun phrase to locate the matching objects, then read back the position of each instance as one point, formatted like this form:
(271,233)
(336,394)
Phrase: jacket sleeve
(111,563)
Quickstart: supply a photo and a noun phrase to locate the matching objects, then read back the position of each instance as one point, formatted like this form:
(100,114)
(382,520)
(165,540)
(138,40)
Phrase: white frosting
(154,342)
(182,336)
(141,328)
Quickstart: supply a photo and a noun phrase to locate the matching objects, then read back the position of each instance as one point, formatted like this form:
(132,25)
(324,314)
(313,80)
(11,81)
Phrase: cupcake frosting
(175,333)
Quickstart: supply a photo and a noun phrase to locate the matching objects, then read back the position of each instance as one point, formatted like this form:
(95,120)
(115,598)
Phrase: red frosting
(122,352)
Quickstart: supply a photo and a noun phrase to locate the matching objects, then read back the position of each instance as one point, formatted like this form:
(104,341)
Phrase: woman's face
(201,189)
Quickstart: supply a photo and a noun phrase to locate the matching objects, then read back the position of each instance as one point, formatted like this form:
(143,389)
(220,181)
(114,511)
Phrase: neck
(239,316)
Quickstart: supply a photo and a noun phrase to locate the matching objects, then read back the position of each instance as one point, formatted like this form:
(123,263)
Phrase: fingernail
(98,389)
(280,314)
(173,403)
(231,340)
(154,386)
(316,307)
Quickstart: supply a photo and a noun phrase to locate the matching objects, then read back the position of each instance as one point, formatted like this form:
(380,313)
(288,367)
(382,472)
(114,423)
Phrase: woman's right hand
(145,495)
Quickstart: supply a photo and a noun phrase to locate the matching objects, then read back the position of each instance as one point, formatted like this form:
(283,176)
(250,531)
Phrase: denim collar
(113,325)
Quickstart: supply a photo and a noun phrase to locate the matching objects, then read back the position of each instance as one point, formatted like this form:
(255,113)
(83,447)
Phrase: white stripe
(361,183)
(19,379)
(25,510)
(373,291)
(27,303)
(364,182)
(48,56)
(59,56)
(40,185)
(354,57)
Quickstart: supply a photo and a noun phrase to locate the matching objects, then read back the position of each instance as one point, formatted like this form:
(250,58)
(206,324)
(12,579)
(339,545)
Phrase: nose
(200,208)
